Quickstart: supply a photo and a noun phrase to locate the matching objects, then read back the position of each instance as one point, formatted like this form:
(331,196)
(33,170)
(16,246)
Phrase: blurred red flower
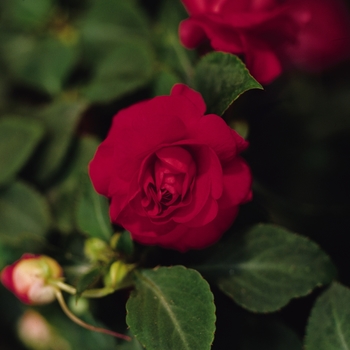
(271,35)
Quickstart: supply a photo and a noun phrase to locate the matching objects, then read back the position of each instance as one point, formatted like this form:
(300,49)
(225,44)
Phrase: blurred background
(66,67)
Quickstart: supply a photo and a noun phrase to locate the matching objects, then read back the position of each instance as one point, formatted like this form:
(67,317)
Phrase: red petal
(213,131)
(7,280)
(192,95)
(100,169)
(191,33)
(208,182)
(207,214)
(176,158)
(143,128)
(200,6)
(237,183)
(6,277)
(324,35)
(262,61)
(222,36)
(204,236)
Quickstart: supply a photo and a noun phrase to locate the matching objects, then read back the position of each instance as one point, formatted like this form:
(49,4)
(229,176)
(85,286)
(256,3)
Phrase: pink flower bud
(28,278)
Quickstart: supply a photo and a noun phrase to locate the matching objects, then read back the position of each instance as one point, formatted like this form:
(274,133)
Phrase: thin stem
(97,293)
(81,323)
(89,293)
(63,286)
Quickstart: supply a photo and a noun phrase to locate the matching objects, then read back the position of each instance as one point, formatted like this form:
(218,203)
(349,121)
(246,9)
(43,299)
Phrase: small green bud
(115,239)
(98,250)
(116,278)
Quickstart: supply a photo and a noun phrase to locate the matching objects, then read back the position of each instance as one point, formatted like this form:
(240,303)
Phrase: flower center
(170,189)
(172,176)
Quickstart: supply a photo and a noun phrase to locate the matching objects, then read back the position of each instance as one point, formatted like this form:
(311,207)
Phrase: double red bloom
(173,174)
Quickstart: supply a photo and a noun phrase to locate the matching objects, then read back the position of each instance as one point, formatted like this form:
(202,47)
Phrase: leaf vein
(162,298)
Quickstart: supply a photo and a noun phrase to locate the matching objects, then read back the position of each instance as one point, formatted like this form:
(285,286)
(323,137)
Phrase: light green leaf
(25,14)
(18,139)
(267,266)
(221,78)
(3,89)
(42,62)
(109,23)
(127,68)
(328,327)
(60,120)
(92,212)
(63,197)
(24,215)
(172,308)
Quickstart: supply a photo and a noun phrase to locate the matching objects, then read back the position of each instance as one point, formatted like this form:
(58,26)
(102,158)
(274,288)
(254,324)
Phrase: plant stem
(81,323)
(89,293)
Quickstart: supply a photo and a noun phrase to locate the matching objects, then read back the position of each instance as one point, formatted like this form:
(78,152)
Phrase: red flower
(28,278)
(173,175)
(271,34)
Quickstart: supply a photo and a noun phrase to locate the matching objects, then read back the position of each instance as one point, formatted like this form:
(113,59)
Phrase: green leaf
(24,215)
(328,326)
(7,255)
(173,56)
(60,119)
(164,82)
(63,197)
(221,78)
(42,62)
(127,68)
(134,344)
(172,308)
(93,212)
(3,89)
(107,24)
(18,139)
(267,266)
(25,14)
(89,279)
(125,243)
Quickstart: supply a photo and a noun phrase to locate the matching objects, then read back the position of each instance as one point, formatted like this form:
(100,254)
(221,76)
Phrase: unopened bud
(28,278)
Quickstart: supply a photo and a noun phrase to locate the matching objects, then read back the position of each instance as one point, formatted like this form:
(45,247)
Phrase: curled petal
(191,34)
(206,215)
(190,94)
(212,130)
